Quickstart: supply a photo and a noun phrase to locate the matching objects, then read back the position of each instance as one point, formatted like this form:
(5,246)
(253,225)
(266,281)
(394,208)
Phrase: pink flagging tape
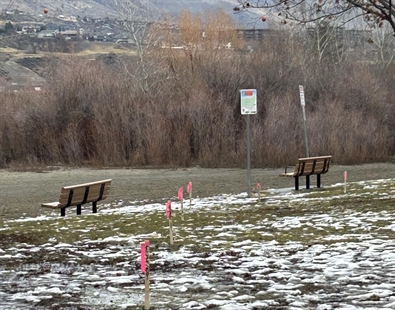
(168,209)
(144,256)
(181,193)
(189,187)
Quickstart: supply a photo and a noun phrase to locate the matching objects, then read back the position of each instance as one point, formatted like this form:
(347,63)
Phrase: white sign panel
(248,101)
(301,90)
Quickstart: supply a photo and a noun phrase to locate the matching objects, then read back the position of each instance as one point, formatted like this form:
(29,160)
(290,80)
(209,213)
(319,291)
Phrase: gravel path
(23,192)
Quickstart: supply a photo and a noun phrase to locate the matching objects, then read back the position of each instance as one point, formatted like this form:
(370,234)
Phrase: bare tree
(324,40)
(381,38)
(305,11)
(138,19)
(210,34)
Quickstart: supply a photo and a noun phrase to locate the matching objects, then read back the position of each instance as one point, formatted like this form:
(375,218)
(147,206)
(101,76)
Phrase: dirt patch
(21,193)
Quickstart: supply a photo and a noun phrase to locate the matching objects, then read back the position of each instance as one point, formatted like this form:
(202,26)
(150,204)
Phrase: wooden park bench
(77,195)
(308,166)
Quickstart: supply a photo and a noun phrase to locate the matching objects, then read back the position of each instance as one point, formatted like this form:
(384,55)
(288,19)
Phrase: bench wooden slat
(94,192)
(314,158)
(79,197)
(312,168)
(87,184)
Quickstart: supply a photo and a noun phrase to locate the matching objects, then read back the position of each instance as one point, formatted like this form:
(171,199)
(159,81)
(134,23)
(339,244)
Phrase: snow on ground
(340,259)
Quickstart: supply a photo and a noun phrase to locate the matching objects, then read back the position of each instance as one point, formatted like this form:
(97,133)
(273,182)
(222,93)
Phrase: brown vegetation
(188,111)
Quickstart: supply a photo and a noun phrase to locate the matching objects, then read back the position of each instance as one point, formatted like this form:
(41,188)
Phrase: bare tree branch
(375,12)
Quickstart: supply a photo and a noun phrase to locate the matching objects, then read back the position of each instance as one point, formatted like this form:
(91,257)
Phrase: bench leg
(63,212)
(318,180)
(307,181)
(94,207)
(78,209)
(296,183)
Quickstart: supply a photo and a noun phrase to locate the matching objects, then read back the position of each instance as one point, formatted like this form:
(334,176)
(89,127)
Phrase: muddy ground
(21,193)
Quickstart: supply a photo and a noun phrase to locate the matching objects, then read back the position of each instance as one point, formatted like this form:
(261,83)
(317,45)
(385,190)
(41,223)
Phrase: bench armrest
(291,167)
(52,205)
(287,173)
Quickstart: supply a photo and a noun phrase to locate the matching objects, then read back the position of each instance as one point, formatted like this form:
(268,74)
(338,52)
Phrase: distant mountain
(245,19)
(105,8)
(100,8)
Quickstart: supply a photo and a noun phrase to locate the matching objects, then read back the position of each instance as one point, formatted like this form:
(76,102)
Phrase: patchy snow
(345,259)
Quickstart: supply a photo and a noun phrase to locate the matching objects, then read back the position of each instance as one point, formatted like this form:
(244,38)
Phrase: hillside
(71,15)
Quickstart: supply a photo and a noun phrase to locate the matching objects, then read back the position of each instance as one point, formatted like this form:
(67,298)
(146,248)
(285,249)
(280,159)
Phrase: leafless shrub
(90,114)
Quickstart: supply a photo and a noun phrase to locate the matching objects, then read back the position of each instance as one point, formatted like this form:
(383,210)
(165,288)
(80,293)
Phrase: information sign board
(248,101)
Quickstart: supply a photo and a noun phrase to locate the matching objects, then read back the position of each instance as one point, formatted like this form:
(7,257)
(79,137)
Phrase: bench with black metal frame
(77,195)
(308,166)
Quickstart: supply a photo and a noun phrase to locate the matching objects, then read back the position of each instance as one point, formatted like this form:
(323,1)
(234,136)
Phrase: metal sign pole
(248,158)
(305,132)
(302,102)
(248,106)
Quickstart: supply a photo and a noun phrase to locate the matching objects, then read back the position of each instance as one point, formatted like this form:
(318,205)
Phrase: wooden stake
(4,205)
(181,199)
(2,222)
(168,214)
(145,269)
(258,187)
(189,191)
(147,288)
(2,217)
(171,231)
(182,209)
(345,181)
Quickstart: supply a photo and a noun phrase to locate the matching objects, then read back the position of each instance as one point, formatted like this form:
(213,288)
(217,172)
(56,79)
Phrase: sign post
(248,107)
(302,102)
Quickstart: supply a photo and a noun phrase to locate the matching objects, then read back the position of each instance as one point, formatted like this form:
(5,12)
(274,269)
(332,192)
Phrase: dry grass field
(22,192)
